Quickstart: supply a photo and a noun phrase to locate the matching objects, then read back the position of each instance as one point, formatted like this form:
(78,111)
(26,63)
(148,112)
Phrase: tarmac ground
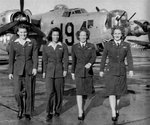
(134,107)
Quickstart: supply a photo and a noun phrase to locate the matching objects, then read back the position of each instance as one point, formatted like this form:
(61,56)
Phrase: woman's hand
(34,72)
(101,74)
(73,76)
(64,73)
(10,76)
(43,75)
(131,73)
(88,65)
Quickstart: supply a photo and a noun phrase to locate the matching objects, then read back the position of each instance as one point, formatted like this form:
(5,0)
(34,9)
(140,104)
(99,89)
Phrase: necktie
(82,45)
(118,44)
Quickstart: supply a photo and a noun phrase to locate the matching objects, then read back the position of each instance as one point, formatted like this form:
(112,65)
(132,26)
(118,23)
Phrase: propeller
(20,18)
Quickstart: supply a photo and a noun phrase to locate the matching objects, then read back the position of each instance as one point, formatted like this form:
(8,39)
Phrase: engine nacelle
(13,15)
(19,16)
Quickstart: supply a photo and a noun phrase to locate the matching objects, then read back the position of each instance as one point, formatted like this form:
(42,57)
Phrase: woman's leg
(28,95)
(33,92)
(112,101)
(50,97)
(84,97)
(50,94)
(80,104)
(117,105)
(59,88)
(18,86)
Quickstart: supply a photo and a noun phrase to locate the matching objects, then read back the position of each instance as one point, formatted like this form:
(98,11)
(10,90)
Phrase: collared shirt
(54,45)
(82,44)
(117,42)
(19,41)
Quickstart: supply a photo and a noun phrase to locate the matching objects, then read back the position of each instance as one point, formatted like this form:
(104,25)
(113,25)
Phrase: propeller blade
(121,16)
(8,27)
(36,30)
(11,26)
(21,5)
(131,16)
(33,28)
(97,9)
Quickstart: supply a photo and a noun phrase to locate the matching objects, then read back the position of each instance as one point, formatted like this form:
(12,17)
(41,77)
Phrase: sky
(141,7)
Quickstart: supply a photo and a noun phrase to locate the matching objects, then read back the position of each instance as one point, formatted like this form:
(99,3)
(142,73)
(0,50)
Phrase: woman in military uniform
(83,58)
(116,50)
(55,67)
(23,62)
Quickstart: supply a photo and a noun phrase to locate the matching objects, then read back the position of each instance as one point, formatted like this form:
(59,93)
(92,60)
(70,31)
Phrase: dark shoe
(19,116)
(117,115)
(28,117)
(49,117)
(114,118)
(81,118)
(57,114)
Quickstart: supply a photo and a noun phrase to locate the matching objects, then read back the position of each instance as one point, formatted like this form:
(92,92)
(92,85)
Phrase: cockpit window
(74,11)
(77,12)
(66,14)
(90,24)
(83,11)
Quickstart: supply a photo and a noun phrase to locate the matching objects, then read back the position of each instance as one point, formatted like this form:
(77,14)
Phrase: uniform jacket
(23,58)
(55,61)
(80,57)
(116,56)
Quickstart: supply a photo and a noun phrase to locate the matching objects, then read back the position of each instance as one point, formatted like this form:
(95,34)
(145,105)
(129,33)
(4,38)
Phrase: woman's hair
(119,28)
(55,29)
(84,30)
(22,26)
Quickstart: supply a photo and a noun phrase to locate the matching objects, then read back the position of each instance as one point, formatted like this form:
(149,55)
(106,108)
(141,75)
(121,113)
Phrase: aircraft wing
(141,43)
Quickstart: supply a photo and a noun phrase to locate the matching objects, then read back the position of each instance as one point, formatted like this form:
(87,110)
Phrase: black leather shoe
(114,118)
(81,118)
(28,117)
(49,117)
(117,115)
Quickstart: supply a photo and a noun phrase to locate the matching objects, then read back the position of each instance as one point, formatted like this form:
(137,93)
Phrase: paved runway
(134,107)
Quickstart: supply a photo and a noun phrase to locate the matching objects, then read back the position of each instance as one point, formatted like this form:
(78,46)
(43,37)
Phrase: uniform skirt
(84,86)
(116,85)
